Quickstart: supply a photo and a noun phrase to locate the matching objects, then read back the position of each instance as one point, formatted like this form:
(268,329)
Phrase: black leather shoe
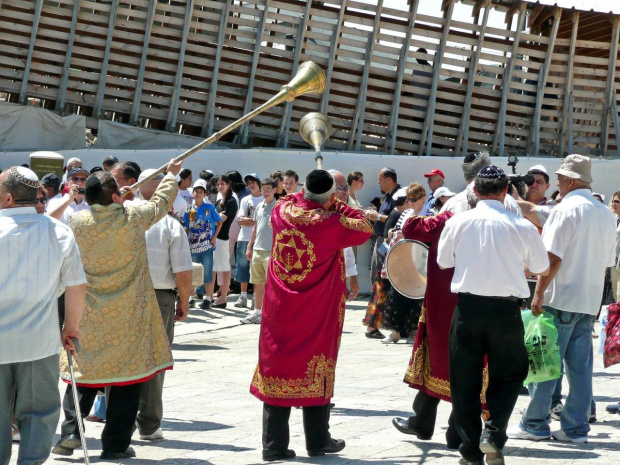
(403,426)
(334,446)
(613,408)
(66,444)
(222,305)
(270,455)
(493,453)
(118,455)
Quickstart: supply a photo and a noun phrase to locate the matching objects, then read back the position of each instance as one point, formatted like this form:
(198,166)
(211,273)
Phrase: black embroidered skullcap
(319,181)
(491,172)
(25,176)
(93,186)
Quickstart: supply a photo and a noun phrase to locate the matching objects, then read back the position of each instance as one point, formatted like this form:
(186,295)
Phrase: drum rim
(388,272)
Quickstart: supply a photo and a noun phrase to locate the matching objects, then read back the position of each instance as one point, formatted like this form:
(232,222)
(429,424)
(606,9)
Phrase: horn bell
(310,79)
(315,128)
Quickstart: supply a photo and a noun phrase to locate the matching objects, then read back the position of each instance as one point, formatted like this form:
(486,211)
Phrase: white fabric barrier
(25,127)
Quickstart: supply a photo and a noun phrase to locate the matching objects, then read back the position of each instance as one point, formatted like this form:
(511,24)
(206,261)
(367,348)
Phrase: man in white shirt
(536,192)
(170,266)
(73,201)
(290,181)
(472,164)
(580,240)
(488,247)
(40,255)
(247,205)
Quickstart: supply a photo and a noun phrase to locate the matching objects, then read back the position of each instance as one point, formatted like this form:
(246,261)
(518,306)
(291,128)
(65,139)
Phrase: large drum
(405,265)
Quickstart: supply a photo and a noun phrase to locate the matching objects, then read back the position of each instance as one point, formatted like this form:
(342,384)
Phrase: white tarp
(112,135)
(24,127)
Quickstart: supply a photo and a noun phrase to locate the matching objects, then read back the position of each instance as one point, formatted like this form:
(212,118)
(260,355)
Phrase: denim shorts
(242,267)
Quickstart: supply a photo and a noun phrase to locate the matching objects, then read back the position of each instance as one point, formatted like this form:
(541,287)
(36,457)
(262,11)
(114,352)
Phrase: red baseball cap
(434,172)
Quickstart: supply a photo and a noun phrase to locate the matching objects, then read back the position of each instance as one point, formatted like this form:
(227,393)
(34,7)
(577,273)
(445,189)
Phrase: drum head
(406,268)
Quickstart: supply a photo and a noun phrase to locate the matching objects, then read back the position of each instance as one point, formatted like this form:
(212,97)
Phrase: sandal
(390,340)
(375,334)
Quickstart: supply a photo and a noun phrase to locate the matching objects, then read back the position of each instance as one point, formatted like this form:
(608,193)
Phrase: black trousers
(492,326)
(276,432)
(425,409)
(121,411)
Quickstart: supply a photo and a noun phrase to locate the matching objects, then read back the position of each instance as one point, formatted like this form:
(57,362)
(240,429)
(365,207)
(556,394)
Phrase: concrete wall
(606,173)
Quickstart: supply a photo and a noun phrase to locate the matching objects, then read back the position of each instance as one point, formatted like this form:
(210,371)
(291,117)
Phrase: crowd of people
(493,249)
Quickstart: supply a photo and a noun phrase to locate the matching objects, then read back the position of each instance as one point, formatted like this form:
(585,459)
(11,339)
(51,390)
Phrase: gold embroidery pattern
(302,216)
(419,372)
(343,275)
(341,307)
(356,224)
(319,382)
(293,253)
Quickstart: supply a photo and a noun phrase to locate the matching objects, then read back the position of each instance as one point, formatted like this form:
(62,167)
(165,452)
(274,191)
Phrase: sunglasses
(411,199)
(342,188)
(41,200)
(615,201)
(76,179)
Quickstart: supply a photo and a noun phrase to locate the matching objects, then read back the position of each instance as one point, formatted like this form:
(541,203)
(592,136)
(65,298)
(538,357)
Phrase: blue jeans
(242,267)
(100,407)
(206,260)
(575,342)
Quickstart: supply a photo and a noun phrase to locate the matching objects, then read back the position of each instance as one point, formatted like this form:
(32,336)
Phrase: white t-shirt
(71,209)
(186,194)
(488,248)
(246,208)
(179,207)
(582,232)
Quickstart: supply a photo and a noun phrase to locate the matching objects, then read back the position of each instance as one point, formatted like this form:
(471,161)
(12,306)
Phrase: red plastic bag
(611,353)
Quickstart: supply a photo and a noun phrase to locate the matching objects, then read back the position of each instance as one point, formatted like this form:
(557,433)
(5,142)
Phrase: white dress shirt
(488,248)
(458,204)
(582,232)
(71,209)
(39,255)
(349,262)
(168,253)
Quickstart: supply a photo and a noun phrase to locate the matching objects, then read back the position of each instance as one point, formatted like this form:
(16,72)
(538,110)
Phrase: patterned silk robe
(123,336)
(305,296)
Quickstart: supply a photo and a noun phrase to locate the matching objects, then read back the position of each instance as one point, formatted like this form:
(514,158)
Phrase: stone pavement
(210,417)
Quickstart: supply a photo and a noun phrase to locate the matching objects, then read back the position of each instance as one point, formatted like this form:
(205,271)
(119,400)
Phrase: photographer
(487,318)
(73,201)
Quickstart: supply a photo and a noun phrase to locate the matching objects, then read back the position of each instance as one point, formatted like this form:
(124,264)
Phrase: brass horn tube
(310,79)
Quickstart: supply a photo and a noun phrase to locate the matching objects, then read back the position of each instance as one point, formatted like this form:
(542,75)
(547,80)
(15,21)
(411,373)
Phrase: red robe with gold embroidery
(305,296)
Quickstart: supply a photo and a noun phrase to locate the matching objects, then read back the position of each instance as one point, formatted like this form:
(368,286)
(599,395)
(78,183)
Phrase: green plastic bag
(543,352)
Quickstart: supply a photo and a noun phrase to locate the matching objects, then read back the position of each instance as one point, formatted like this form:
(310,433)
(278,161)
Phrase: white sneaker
(556,411)
(241,302)
(150,437)
(562,436)
(253,318)
(515,432)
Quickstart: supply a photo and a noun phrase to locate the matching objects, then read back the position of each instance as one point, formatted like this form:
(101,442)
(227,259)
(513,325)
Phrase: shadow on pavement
(196,347)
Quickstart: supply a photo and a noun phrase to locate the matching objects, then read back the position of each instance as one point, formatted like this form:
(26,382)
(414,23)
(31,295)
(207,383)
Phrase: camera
(518,181)
(80,190)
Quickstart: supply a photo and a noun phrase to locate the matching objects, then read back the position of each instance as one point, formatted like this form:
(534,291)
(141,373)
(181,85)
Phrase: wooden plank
(568,87)
(357,126)
(285,125)
(534,139)
(427,131)
(334,47)
(610,91)
(614,109)
(103,74)
(390,135)
(171,120)
(33,36)
(500,128)
(137,98)
(463,136)
(243,131)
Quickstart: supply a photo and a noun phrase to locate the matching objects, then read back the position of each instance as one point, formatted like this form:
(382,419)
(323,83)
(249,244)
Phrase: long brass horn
(315,129)
(310,79)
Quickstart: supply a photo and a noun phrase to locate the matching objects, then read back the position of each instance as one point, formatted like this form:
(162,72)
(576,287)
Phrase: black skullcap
(50,179)
(491,172)
(319,181)
(110,160)
(92,187)
(94,169)
(471,157)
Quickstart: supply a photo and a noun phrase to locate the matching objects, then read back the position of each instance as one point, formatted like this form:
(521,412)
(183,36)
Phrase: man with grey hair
(580,240)
(303,314)
(41,255)
(472,164)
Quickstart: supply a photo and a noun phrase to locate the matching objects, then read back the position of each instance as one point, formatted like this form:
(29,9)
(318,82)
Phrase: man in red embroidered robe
(303,314)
